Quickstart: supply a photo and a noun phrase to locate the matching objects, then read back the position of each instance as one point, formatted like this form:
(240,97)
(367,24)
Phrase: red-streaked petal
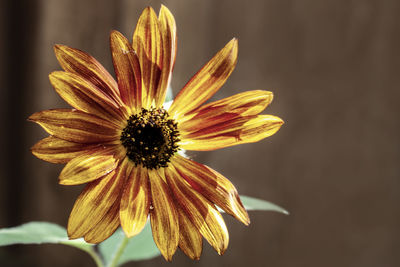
(243,104)
(212,185)
(105,227)
(76,126)
(135,201)
(127,70)
(76,61)
(190,240)
(90,166)
(206,82)
(95,202)
(163,216)
(55,150)
(169,42)
(237,131)
(199,210)
(84,96)
(147,42)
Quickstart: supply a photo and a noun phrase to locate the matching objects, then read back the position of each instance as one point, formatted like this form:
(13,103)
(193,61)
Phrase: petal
(212,185)
(55,150)
(105,227)
(206,82)
(90,166)
(95,202)
(147,42)
(84,96)
(237,131)
(75,126)
(190,240)
(242,104)
(83,64)
(135,202)
(163,216)
(199,210)
(127,69)
(169,42)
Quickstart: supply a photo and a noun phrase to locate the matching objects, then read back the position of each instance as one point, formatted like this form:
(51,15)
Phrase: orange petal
(84,96)
(105,227)
(213,186)
(199,210)
(75,126)
(190,240)
(127,69)
(135,202)
(55,150)
(237,131)
(242,104)
(90,166)
(147,42)
(83,64)
(95,202)
(206,82)
(169,42)
(163,216)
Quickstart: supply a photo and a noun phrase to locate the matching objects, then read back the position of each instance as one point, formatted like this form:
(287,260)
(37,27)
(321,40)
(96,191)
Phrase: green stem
(118,253)
(96,257)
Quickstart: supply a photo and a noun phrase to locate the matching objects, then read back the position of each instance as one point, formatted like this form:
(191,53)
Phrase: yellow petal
(169,42)
(89,167)
(147,42)
(84,96)
(76,126)
(105,227)
(190,240)
(127,70)
(199,210)
(135,202)
(206,82)
(163,215)
(242,104)
(55,150)
(213,186)
(83,64)
(237,131)
(95,202)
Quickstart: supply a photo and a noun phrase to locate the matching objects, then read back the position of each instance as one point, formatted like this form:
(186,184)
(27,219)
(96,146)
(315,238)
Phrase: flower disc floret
(150,138)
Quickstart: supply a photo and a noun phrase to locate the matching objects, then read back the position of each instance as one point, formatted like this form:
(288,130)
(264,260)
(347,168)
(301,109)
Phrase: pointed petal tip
(165,9)
(234,43)
(149,9)
(114,32)
(129,234)
(246,222)
(33,117)
(59,48)
(167,257)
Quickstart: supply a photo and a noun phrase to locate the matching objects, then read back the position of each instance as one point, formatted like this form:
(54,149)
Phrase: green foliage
(140,247)
(114,251)
(251,203)
(39,233)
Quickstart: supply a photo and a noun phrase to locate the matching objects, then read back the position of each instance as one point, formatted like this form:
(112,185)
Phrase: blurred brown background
(334,68)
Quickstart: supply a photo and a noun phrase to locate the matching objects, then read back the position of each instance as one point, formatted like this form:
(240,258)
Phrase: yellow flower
(122,142)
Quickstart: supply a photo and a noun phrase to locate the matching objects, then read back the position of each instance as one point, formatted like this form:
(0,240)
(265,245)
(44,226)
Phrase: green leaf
(39,233)
(140,247)
(251,203)
(169,96)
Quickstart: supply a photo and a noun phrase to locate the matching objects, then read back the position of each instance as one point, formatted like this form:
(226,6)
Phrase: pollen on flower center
(150,138)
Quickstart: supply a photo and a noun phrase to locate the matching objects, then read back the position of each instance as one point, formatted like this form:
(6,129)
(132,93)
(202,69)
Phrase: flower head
(122,141)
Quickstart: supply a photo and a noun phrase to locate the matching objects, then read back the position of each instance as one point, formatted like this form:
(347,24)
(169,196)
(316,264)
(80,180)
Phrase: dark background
(334,69)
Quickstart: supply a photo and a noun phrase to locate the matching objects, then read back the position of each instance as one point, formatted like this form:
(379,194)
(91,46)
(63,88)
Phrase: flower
(122,141)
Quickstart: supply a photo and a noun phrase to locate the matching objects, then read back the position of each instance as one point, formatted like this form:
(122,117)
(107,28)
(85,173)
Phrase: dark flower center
(150,138)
